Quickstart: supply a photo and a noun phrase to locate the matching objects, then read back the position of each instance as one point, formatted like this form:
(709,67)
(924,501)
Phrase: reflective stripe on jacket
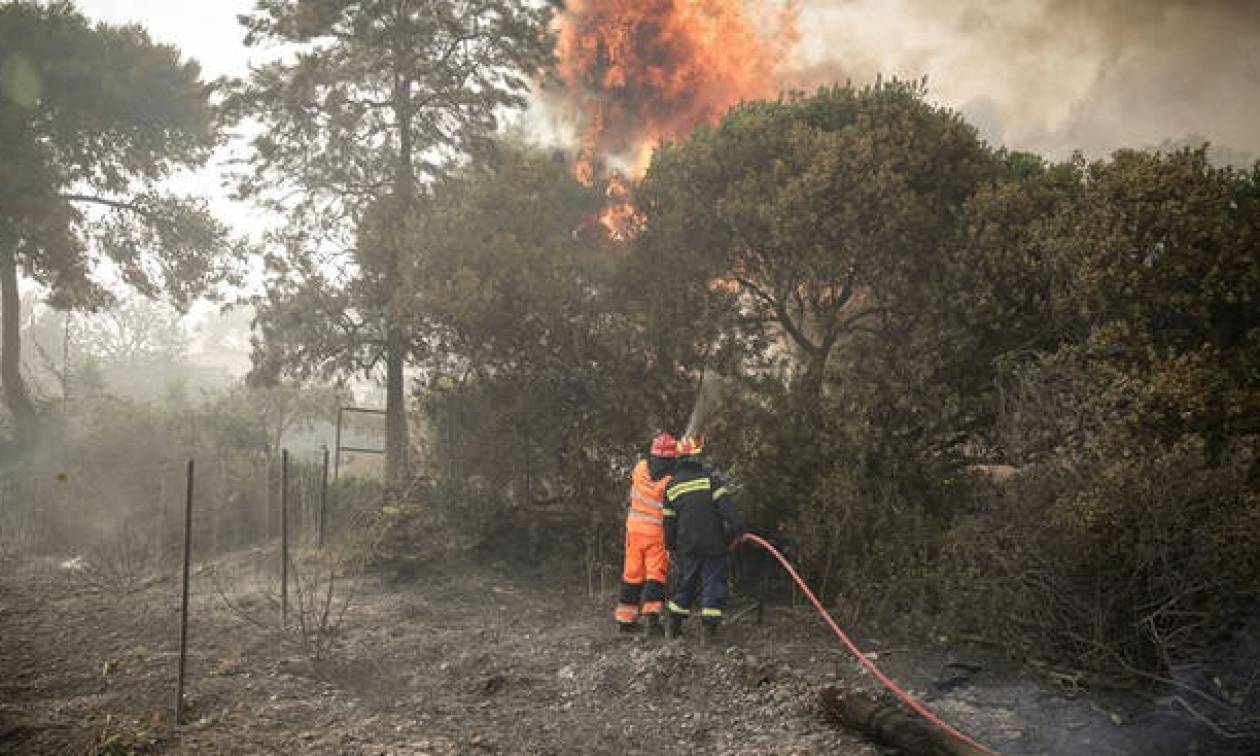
(699,517)
(647,499)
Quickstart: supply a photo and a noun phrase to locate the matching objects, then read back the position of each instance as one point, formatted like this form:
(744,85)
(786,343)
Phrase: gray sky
(202,29)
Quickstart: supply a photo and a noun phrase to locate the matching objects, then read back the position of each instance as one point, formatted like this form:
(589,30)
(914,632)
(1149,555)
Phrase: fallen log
(889,724)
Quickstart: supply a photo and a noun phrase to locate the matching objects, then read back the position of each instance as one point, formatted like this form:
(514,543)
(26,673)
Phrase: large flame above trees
(638,71)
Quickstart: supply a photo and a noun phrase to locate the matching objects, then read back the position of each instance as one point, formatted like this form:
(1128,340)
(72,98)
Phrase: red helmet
(691,446)
(664,445)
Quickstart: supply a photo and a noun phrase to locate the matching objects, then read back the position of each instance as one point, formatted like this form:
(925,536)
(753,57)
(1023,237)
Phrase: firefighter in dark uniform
(700,526)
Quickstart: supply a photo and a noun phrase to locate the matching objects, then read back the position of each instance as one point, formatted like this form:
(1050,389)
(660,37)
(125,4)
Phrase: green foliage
(535,393)
(1140,556)
(106,109)
(901,319)
(1163,247)
(1128,539)
(379,99)
(821,212)
(830,222)
(93,119)
(1092,324)
(377,85)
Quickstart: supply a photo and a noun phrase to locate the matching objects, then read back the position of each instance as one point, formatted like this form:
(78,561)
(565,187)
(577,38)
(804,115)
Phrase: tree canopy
(817,210)
(378,99)
(93,119)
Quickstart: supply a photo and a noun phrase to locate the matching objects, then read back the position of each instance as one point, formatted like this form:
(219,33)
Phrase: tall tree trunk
(396,446)
(16,397)
(395,409)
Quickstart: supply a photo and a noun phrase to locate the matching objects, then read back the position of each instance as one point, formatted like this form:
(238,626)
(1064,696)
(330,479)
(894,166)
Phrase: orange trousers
(644,575)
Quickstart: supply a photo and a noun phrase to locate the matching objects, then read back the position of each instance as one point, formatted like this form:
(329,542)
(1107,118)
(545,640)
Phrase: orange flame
(638,71)
(619,217)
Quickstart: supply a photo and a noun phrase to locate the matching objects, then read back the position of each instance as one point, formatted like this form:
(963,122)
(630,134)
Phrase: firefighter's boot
(674,629)
(628,628)
(654,625)
(710,635)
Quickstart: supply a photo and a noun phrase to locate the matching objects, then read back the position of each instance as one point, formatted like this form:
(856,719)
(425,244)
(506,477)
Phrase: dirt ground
(483,659)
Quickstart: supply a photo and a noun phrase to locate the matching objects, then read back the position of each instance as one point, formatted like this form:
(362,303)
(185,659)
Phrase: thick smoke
(1055,75)
(1051,76)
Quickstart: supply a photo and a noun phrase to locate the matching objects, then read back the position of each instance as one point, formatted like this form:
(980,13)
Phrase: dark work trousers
(708,575)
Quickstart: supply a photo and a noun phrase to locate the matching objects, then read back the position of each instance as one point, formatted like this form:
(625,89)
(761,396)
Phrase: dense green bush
(1139,557)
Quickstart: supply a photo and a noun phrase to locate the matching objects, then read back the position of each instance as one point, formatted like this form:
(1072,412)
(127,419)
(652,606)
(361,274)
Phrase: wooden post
(183,611)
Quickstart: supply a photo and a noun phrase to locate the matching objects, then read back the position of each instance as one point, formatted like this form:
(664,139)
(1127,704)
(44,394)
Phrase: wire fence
(115,528)
(127,520)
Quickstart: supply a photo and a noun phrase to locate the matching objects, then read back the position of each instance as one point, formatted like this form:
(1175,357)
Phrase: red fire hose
(857,653)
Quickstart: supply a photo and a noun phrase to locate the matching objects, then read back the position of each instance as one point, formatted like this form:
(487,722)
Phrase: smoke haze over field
(1055,75)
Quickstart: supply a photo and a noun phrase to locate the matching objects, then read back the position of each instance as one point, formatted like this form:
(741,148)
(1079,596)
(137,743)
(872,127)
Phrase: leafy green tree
(1162,247)
(92,119)
(1125,333)
(519,303)
(811,234)
(540,380)
(372,99)
(939,375)
(819,210)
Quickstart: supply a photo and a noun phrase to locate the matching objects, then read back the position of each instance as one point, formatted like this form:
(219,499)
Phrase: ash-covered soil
(483,659)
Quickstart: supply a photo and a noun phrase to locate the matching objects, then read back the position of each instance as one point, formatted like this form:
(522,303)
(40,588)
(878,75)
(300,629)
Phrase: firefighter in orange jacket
(647,563)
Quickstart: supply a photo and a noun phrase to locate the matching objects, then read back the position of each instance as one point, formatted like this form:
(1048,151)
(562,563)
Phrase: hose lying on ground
(857,653)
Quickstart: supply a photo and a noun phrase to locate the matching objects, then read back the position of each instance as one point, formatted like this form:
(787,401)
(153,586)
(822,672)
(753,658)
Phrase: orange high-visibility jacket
(647,501)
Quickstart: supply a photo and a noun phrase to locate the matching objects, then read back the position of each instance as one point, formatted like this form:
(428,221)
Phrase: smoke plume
(1050,76)
(1055,76)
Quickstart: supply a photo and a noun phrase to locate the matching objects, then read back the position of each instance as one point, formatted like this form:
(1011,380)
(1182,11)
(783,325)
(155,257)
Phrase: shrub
(1142,558)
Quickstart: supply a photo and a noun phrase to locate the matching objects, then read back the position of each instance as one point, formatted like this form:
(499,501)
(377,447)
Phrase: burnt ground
(484,659)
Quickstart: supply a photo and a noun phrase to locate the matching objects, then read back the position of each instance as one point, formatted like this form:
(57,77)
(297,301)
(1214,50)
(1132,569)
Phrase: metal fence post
(337,445)
(323,500)
(284,537)
(183,612)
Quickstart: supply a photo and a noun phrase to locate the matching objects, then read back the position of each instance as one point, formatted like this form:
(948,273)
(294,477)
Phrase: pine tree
(380,97)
